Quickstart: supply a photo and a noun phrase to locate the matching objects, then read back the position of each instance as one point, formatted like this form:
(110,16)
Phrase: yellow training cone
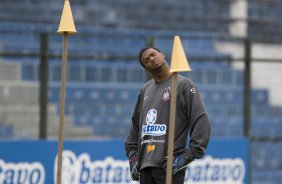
(67,23)
(179,62)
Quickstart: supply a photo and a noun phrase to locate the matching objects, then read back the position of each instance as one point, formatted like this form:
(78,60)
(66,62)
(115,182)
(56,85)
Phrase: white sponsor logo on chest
(151,128)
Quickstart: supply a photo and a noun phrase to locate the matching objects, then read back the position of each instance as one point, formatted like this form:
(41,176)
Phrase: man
(146,145)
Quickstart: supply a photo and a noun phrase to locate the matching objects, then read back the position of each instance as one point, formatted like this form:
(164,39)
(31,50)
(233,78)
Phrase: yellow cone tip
(179,62)
(67,23)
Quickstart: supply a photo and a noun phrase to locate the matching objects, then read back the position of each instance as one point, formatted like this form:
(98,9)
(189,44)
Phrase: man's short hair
(143,50)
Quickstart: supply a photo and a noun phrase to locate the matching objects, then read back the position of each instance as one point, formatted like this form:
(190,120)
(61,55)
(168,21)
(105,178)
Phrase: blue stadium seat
(260,97)
(266,176)
(266,126)
(6,131)
(230,126)
(222,95)
(266,155)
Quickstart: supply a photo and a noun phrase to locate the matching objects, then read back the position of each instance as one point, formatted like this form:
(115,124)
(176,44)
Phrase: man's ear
(163,55)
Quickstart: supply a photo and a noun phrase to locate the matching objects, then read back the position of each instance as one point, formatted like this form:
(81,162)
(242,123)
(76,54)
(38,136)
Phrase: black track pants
(152,175)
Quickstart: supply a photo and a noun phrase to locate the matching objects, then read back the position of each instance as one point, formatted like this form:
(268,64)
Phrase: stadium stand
(101,93)
(207,73)
(264,23)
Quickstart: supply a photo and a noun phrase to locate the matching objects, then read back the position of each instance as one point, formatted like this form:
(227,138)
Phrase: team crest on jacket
(166,94)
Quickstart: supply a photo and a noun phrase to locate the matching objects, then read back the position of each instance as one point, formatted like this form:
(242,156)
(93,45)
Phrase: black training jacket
(149,129)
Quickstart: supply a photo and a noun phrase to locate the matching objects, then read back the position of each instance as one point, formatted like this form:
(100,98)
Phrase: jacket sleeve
(131,143)
(200,127)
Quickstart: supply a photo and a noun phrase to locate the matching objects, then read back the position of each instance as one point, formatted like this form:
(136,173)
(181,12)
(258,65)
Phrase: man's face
(152,59)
